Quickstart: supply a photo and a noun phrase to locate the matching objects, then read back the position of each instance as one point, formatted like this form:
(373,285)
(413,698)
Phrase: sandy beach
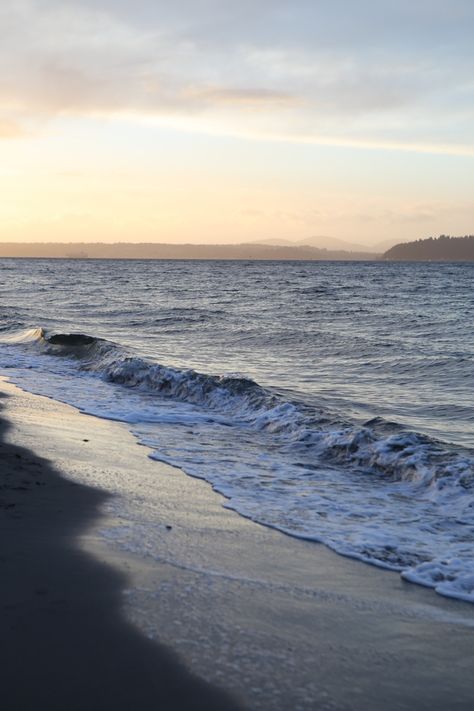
(127,585)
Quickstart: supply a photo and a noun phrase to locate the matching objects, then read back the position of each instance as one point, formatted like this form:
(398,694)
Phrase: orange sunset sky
(225,122)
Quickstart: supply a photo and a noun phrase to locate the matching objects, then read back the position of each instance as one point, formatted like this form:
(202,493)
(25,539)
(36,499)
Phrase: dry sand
(127,585)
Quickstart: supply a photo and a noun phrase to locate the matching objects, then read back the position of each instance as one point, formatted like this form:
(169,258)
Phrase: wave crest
(378,447)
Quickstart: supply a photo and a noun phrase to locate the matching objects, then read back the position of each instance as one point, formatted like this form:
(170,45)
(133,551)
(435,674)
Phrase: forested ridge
(439,249)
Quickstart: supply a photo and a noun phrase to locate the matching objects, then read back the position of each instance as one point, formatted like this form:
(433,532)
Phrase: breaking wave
(371,490)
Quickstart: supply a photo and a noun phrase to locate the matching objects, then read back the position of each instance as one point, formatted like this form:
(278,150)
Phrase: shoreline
(65,642)
(274,621)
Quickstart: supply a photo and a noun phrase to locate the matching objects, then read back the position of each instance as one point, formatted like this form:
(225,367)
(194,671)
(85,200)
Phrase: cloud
(417,215)
(245,98)
(301,70)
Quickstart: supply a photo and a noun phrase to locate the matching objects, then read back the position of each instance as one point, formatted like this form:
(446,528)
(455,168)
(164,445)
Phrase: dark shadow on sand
(64,644)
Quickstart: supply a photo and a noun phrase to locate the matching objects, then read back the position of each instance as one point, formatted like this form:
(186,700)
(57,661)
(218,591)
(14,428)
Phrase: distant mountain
(438,249)
(273,242)
(124,250)
(334,243)
(322,242)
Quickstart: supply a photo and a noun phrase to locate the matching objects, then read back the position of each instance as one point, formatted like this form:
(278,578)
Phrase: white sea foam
(389,497)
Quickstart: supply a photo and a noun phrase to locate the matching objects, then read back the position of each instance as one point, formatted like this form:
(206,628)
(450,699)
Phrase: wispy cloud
(397,76)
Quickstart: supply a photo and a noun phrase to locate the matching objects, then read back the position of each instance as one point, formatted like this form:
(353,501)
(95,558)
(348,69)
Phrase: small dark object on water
(85,440)
(168,527)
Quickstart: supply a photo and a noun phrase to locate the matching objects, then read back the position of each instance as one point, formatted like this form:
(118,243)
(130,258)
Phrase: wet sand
(64,642)
(174,602)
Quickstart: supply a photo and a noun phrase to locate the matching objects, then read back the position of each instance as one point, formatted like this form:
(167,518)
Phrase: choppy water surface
(333,401)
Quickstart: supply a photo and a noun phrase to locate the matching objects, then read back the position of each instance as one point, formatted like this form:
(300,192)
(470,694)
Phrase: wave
(377,446)
(76,345)
(74,340)
(11,335)
(327,474)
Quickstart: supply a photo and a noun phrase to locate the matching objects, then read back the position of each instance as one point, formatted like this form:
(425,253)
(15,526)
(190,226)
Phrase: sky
(216,121)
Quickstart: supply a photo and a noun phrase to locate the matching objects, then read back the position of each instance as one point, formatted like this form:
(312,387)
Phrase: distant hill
(324,242)
(334,243)
(438,249)
(127,250)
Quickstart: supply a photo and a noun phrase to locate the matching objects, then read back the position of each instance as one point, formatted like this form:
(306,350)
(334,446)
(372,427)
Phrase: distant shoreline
(194,259)
(348,260)
(440,249)
(126,250)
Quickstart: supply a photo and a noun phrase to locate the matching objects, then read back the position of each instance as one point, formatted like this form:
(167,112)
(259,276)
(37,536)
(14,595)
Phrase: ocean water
(331,401)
